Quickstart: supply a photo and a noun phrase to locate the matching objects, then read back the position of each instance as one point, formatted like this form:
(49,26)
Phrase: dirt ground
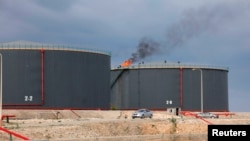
(102,125)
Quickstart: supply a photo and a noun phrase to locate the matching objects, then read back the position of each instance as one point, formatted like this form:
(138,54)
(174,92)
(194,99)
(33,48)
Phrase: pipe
(118,76)
(42,75)
(42,85)
(1,88)
(181,87)
(14,133)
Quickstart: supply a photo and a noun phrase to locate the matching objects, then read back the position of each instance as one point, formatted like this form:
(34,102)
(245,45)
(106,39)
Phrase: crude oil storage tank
(48,76)
(170,85)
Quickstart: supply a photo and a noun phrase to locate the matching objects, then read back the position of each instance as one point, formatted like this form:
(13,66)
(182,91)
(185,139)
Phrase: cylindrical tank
(169,85)
(46,76)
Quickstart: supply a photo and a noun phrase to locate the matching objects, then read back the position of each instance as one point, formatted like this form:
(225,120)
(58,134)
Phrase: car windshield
(141,110)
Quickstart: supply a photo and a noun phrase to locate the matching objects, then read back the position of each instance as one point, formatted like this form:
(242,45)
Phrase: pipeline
(15,134)
(119,75)
(42,75)
(181,87)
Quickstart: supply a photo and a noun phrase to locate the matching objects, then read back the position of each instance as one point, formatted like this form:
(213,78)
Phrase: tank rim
(28,45)
(169,66)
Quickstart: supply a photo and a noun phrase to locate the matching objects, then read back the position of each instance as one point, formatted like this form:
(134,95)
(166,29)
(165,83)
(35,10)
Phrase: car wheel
(150,116)
(142,116)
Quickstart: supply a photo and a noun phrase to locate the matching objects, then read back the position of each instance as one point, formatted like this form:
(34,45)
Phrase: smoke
(196,22)
(193,23)
(145,48)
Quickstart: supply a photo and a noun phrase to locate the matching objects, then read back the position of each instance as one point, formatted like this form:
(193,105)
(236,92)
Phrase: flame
(127,63)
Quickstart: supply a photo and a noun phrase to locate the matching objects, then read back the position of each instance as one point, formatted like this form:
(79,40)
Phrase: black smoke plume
(145,48)
(193,23)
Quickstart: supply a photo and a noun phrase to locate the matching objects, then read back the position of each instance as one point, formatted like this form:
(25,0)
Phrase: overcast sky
(207,32)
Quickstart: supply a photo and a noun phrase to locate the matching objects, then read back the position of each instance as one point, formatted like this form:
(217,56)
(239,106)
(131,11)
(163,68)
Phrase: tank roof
(21,44)
(165,64)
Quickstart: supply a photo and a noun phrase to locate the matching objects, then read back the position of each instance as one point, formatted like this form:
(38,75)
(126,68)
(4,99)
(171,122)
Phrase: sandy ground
(81,125)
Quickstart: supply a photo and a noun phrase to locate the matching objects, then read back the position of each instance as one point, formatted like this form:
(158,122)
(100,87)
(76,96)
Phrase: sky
(207,32)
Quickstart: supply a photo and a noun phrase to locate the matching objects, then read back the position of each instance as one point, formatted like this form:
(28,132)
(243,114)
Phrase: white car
(207,115)
(142,113)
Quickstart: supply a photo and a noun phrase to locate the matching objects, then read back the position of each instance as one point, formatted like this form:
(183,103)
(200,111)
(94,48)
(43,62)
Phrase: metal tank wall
(145,88)
(57,79)
(21,71)
(87,86)
(162,88)
(215,90)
